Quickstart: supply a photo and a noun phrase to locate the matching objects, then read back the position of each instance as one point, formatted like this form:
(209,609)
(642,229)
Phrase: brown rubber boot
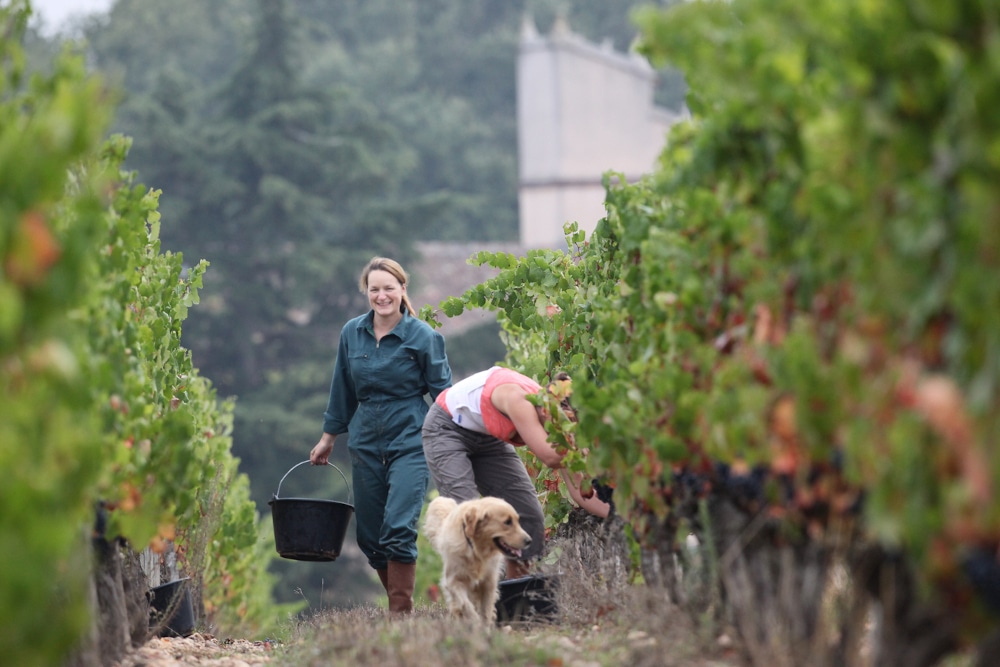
(383,576)
(401,578)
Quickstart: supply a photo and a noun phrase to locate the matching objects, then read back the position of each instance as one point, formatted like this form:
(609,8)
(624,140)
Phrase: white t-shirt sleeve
(463,401)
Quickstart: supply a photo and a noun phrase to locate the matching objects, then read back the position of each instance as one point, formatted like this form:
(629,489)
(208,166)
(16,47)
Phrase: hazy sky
(55,12)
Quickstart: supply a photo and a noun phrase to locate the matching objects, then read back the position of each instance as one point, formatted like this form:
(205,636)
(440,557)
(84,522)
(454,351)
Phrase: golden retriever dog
(473,538)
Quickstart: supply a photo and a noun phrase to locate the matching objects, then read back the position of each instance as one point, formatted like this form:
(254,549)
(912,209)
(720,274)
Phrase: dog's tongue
(516,553)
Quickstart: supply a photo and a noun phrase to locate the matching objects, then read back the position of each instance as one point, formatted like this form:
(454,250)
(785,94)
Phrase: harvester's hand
(591,503)
(320,454)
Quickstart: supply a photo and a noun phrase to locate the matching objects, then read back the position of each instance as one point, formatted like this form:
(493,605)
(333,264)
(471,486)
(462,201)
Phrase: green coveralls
(377,396)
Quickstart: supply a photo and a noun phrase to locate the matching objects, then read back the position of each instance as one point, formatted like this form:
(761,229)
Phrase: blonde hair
(390,266)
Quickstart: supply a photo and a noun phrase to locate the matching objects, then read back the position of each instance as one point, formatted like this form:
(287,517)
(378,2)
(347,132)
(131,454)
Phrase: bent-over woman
(469,438)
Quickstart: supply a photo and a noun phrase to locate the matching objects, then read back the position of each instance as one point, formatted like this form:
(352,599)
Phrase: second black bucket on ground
(171,612)
(526,599)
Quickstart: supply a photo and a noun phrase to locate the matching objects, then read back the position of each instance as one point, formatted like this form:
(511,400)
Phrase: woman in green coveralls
(387,361)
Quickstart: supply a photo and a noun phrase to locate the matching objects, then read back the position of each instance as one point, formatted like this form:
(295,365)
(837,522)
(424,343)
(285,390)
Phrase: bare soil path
(200,650)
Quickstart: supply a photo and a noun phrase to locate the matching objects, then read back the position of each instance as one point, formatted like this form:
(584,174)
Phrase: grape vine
(798,309)
(99,403)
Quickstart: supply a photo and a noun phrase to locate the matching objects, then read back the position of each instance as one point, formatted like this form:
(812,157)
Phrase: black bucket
(171,613)
(526,599)
(309,529)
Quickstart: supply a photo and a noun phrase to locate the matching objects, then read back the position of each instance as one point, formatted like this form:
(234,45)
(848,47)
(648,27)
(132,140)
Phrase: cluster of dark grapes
(691,483)
(982,567)
(755,487)
(603,491)
(747,489)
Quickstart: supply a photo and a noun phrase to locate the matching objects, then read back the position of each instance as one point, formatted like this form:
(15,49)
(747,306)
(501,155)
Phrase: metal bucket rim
(350,492)
(170,583)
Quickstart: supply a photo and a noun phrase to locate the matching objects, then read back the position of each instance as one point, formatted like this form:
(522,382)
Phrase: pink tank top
(496,423)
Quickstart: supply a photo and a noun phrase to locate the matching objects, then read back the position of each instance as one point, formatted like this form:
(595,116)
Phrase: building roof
(443,271)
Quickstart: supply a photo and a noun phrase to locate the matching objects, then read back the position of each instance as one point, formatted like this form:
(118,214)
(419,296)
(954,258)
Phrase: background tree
(296,187)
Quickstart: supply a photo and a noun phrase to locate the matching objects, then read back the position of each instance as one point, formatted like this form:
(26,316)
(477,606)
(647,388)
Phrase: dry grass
(645,635)
(602,622)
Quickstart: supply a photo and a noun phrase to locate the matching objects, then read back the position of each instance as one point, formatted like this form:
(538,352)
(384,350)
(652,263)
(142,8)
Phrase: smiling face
(385,293)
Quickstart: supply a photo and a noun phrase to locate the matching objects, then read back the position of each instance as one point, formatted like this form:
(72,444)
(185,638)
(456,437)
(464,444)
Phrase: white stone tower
(582,110)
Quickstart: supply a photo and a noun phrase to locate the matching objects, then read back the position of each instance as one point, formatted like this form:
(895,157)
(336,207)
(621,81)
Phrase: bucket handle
(350,494)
